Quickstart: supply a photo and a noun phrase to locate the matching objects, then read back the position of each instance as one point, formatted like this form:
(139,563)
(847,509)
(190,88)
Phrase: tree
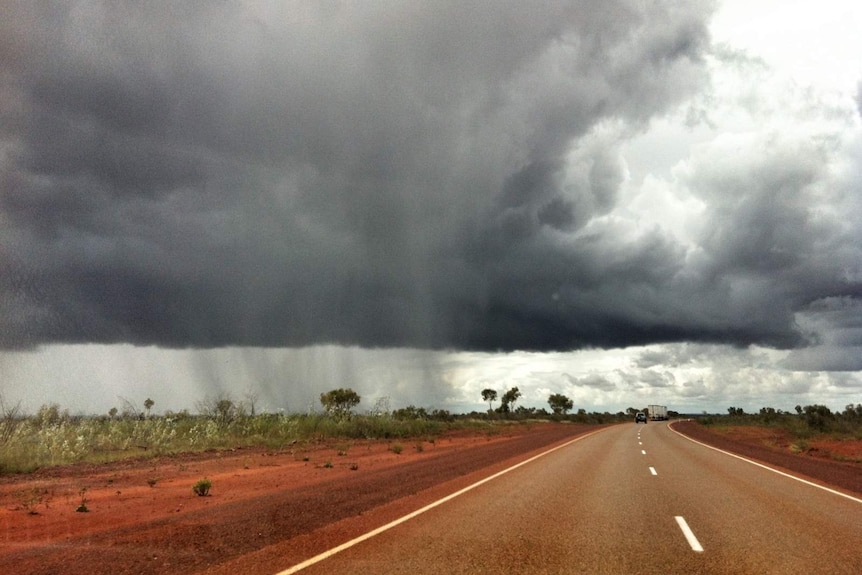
(50,414)
(339,402)
(508,400)
(251,398)
(410,412)
(225,410)
(148,404)
(9,419)
(489,395)
(769,414)
(853,411)
(381,407)
(817,416)
(560,403)
(130,410)
(220,409)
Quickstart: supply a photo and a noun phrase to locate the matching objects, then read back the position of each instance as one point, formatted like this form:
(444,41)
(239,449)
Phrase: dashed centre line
(643,452)
(689,535)
(653,471)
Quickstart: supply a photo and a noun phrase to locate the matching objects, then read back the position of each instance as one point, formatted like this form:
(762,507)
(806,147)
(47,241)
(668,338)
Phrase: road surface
(628,499)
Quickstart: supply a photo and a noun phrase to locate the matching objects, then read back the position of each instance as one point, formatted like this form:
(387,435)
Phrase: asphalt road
(617,502)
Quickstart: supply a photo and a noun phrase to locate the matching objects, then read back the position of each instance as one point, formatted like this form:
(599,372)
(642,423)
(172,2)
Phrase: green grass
(809,423)
(37,444)
(53,438)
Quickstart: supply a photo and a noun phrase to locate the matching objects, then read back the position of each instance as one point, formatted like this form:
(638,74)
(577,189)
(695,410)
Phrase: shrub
(82,508)
(396,448)
(339,402)
(31,498)
(799,446)
(202,487)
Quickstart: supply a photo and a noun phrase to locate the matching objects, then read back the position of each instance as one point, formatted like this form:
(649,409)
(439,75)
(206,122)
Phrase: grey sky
(422,176)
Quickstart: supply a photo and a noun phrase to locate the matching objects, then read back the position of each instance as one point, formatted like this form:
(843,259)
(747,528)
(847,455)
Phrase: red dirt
(266,510)
(774,446)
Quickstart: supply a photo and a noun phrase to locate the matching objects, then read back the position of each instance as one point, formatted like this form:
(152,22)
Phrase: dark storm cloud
(837,325)
(776,239)
(659,379)
(377,174)
(592,381)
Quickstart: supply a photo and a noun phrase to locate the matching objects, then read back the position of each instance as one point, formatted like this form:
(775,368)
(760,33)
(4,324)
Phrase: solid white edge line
(335,550)
(653,471)
(689,535)
(805,481)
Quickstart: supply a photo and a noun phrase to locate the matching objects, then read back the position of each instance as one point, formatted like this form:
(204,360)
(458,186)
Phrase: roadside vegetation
(804,425)
(53,437)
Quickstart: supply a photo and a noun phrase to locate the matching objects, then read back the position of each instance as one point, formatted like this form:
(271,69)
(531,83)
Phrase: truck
(657,412)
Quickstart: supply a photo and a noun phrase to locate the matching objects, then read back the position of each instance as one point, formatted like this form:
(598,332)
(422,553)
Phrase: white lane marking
(326,554)
(643,452)
(689,535)
(653,471)
(640,442)
(806,482)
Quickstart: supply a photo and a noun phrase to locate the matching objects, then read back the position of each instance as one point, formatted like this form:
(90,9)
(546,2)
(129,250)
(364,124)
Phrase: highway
(628,499)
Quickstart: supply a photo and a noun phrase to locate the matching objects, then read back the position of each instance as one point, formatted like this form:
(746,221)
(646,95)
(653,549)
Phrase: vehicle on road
(657,412)
(641,417)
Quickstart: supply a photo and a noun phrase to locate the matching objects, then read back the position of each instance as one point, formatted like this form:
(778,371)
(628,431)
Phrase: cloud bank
(435,176)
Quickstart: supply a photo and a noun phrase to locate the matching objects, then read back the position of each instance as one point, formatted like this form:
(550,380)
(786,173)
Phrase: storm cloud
(421,175)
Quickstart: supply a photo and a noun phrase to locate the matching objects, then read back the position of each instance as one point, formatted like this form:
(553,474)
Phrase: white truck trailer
(657,412)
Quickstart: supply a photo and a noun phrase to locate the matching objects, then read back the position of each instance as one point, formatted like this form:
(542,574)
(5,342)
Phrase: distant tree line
(813,418)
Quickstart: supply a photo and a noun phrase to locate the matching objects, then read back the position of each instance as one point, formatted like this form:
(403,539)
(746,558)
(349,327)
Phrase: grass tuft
(202,487)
